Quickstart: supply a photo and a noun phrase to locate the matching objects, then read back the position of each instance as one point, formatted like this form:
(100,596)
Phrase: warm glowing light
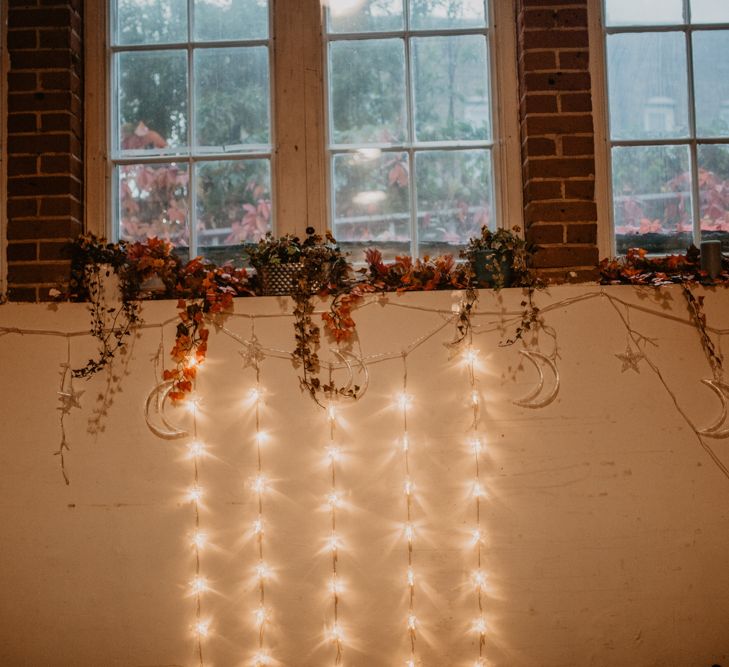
(194,494)
(333,543)
(191,362)
(261,437)
(404,400)
(412,621)
(476,536)
(261,616)
(255,394)
(411,577)
(410,663)
(259,484)
(478,490)
(336,634)
(196,449)
(262,571)
(471,356)
(334,499)
(335,585)
(409,532)
(408,487)
(474,397)
(476,445)
(199,539)
(479,626)
(202,628)
(481,662)
(334,453)
(405,442)
(258,527)
(479,579)
(199,585)
(260,660)
(332,412)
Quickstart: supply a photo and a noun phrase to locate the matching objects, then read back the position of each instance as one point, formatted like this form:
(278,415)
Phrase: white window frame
(299,159)
(601,114)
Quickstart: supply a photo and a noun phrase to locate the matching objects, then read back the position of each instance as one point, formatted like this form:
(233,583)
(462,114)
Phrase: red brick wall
(558,162)
(44,143)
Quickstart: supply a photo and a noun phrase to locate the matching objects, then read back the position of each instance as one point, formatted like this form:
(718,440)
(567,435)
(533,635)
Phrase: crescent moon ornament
(721,389)
(532,399)
(156,402)
(365,371)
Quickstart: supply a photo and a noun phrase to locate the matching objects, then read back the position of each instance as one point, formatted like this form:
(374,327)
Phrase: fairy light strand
(198,585)
(403,401)
(333,543)
(478,576)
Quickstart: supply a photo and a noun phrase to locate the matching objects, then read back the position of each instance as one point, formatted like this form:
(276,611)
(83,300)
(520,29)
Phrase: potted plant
(287,265)
(498,258)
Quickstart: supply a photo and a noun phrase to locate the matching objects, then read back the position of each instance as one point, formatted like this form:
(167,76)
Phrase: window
(191,122)
(369,117)
(667,67)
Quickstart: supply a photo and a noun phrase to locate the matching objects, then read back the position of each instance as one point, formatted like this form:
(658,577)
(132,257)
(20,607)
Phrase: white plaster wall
(606,522)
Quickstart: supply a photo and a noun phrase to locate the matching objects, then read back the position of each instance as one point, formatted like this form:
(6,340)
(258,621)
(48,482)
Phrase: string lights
(198,585)
(404,401)
(262,572)
(478,577)
(333,542)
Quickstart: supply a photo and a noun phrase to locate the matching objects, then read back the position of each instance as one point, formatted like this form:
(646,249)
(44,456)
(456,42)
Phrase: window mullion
(191,184)
(410,111)
(695,202)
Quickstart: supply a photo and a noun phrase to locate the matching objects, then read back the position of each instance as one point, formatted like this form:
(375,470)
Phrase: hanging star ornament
(630,359)
(69,398)
(253,354)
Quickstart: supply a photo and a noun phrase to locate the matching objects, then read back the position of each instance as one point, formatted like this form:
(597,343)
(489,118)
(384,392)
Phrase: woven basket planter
(280,279)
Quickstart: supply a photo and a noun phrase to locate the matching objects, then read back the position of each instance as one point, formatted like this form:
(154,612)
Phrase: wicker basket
(280,279)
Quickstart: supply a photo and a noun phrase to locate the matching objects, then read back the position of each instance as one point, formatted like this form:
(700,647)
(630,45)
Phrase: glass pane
(451,88)
(364,15)
(648,87)
(643,12)
(371,199)
(231,98)
(711,81)
(709,11)
(652,198)
(367,84)
(441,14)
(454,198)
(233,206)
(152,100)
(217,20)
(153,202)
(145,22)
(714,194)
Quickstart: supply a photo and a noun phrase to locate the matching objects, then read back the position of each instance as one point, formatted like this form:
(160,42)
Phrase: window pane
(153,202)
(367,84)
(233,205)
(644,12)
(709,11)
(364,15)
(648,85)
(451,88)
(714,193)
(443,14)
(145,22)
(711,81)
(371,197)
(652,198)
(231,98)
(230,19)
(152,102)
(453,197)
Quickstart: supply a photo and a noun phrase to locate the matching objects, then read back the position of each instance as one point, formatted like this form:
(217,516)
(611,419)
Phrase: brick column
(45,158)
(558,162)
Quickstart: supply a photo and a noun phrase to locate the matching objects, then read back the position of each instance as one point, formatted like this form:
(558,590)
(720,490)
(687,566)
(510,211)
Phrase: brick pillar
(45,158)
(558,162)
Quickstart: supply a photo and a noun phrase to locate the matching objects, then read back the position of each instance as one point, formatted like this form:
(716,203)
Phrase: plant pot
(279,279)
(492,270)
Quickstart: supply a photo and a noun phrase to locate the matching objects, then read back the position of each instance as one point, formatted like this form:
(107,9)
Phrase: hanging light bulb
(196,449)
(479,579)
(194,494)
(259,484)
(202,628)
(199,539)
